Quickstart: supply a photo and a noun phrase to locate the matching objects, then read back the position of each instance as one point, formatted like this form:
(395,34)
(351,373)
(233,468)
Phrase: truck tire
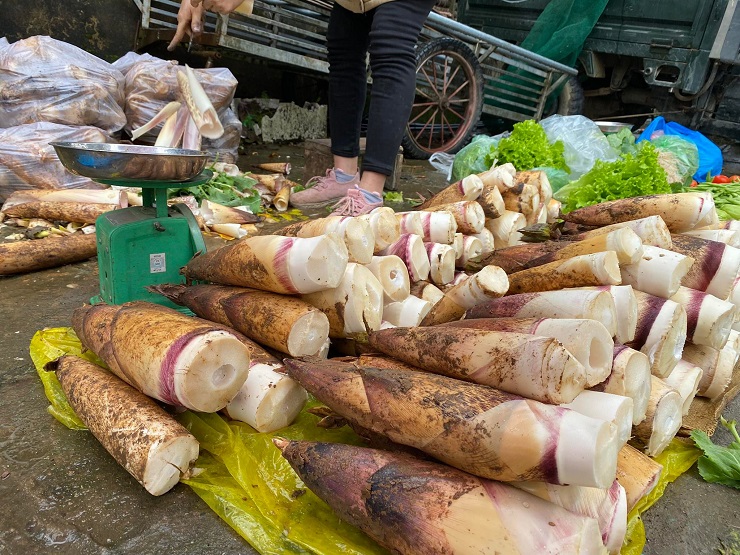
(436,95)
(571,99)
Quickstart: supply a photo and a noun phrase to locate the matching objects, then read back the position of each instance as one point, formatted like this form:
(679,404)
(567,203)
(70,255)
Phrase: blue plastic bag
(710,156)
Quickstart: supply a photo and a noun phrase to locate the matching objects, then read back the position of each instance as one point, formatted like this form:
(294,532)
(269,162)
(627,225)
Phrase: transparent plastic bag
(127,61)
(583,140)
(678,157)
(472,158)
(226,147)
(4,42)
(43,79)
(28,161)
(151,83)
(442,161)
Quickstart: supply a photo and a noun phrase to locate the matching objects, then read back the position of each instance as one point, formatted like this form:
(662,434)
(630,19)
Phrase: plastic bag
(583,141)
(151,83)
(710,156)
(472,158)
(42,79)
(442,161)
(558,178)
(4,42)
(226,147)
(245,480)
(678,157)
(127,61)
(28,161)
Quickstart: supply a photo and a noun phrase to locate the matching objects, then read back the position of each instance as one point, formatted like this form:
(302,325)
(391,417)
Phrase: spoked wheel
(448,100)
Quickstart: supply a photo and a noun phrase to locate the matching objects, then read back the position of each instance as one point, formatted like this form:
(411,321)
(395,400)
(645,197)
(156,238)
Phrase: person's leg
(393,35)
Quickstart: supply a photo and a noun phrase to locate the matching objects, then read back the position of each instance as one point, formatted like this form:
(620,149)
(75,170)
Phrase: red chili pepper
(721,179)
(694,183)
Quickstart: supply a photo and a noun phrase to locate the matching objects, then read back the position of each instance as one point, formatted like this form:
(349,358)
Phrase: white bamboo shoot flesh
(406,313)
(661,332)
(393,276)
(427,291)
(487,242)
(625,303)
(630,377)
(472,249)
(658,272)
(409,222)
(726,236)
(457,244)
(356,233)
(663,420)
(468,215)
(717,365)
(685,379)
(468,188)
(617,409)
(505,228)
(162,116)
(651,231)
(491,201)
(410,248)
(441,263)
(709,318)
(384,224)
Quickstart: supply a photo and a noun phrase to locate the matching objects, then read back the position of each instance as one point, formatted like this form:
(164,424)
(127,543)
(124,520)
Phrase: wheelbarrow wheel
(448,100)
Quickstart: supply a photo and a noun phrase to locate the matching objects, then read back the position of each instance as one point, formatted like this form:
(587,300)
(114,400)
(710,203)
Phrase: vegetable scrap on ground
(499,369)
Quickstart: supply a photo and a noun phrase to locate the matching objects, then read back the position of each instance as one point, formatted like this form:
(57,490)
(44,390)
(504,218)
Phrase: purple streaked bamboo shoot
(548,443)
(663,420)
(393,276)
(356,233)
(410,248)
(378,491)
(535,367)
(410,222)
(726,236)
(490,283)
(709,320)
(505,228)
(659,272)
(438,227)
(625,303)
(637,473)
(617,409)
(717,265)
(427,291)
(166,355)
(685,379)
(406,313)
(281,199)
(151,445)
(385,227)
(572,303)
(733,225)
(661,332)
(272,263)
(472,250)
(215,213)
(461,276)
(717,365)
(201,110)
(457,244)
(607,506)
(486,239)
(630,377)
(680,212)
(441,263)
(651,230)
(601,268)
(468,188)
(162,116)
(468,215)
(354,306)
(587,340)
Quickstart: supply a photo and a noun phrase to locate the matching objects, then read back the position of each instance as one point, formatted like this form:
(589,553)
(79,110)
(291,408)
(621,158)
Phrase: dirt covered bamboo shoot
(607,506)
(651,231)
(378,491)
(587,340)
(535,367)
(717,365)
(20,257)
(589,269)
(661,332)
(630,377)
(709,318)
(616,409)
(548,443)
(393,276)
(468,188)
(680,212)
(658,272)
(685,379)
(663,420)
(410,248)
(273,263)
(427,291)
(505,228)
(637,473)
(151,445)
(491,201)
(491,282)
(441,263)
(524,198)
(354,306)
(406,313)
(624,242)
(356,233)
(79,212)
(572,303)
(472,248)
(385,227)
(716,267)
(166,355)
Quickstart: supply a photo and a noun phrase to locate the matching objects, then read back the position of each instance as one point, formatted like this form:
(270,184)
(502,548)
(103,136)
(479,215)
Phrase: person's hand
(218,6)
(189,21)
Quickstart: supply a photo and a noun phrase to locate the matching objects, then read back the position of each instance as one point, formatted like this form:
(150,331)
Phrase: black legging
(389,32)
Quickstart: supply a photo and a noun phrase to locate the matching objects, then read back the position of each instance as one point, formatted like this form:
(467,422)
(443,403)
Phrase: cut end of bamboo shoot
(319,264)
(593,462)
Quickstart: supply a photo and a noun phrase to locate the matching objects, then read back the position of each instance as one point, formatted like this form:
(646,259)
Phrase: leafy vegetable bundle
(527,147)
(228,191)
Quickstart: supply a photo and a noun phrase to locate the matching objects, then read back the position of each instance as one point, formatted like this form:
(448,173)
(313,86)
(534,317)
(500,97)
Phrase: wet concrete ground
(60,491)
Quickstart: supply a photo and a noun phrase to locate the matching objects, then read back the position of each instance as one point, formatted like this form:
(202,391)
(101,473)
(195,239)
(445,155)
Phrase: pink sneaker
(354,204)
(323,190)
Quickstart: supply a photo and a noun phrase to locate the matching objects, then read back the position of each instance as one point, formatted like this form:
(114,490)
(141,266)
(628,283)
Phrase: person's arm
(190,16)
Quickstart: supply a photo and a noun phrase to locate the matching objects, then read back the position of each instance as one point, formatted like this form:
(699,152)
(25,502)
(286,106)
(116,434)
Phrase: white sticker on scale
(157,263)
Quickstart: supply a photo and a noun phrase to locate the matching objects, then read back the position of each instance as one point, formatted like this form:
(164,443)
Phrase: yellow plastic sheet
(676,459)
(243,477)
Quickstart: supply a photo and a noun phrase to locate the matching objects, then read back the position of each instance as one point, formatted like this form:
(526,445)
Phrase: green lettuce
(229,191)
(719,464)
(527,147)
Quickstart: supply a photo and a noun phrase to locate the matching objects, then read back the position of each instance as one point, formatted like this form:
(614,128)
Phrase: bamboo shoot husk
(393,276)
(637,473)
(659,272)
(214,213)
(202,112)
(651,231)
(468,188)
(235,231)
(716,267)
(273,182)
(685,379)
(276,167)
(21,257)
(168,110)
(281,198)
(709,319)
(663,420)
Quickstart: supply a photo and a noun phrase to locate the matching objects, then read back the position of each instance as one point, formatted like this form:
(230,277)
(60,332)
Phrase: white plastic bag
(442,161)
(43,79)
(226,147)
(583,140)
(28,161)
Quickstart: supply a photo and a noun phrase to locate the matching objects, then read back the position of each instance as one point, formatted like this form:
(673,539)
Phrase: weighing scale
(141,245)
